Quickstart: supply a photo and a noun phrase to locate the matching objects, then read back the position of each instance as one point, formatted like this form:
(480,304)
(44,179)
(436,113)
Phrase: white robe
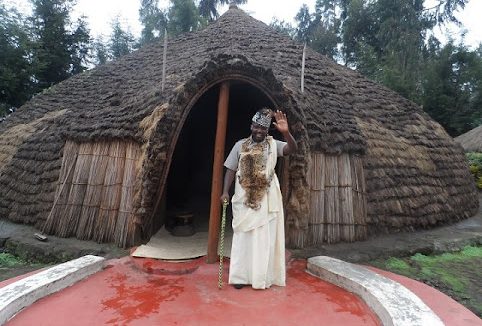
(258,247)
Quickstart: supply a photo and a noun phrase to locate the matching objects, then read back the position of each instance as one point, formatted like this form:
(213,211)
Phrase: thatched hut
(100,155)
(471,141)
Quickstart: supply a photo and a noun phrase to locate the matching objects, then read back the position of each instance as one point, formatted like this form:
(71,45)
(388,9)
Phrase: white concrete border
(24,292)
(393,303)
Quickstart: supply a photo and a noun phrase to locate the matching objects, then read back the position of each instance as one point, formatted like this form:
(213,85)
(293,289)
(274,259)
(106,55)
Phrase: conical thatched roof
(415,173)
(471,141)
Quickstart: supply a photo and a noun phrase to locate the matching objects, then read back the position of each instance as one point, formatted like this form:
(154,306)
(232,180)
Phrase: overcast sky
(100,13)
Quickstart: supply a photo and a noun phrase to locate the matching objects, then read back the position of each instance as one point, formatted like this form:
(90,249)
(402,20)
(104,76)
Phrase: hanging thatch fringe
(337,201)
(96,202)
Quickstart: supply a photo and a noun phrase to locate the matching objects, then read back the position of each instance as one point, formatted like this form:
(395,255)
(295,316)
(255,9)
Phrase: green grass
(9,260)
(397,264)
(457,274)
(12,266)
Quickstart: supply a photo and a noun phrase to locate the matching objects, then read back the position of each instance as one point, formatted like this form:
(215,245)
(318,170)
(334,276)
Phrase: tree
(208,8)
(356,31)
(183,17)
(453,87)
(101,51)
(388,42)
(153,20)
(283,27)
(60,48)
(400,37)
(79,47)
(325,26)
(303,17)
(319,30)
(15,56)
(391,35)
(379,23)
(121,42)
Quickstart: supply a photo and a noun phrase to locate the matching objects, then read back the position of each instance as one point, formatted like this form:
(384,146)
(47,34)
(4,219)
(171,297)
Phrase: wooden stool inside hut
(183,224)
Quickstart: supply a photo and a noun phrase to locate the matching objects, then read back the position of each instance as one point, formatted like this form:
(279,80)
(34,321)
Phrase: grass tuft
(9,260)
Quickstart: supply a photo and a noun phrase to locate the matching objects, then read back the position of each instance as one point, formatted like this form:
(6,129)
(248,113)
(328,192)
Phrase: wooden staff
(221,245)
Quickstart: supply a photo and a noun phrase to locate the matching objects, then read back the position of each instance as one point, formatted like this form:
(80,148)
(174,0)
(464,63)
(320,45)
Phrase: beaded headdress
(263,118)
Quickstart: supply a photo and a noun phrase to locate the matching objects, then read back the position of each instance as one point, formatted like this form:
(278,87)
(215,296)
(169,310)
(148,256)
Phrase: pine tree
(15,65)
(60,48)
(101,51)
(121,41)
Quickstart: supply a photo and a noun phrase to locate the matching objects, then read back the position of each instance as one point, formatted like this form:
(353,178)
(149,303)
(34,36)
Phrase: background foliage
(475,162)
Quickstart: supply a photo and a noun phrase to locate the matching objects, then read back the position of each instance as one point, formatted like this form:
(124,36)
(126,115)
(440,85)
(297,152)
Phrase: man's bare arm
(291,145)
(228,181)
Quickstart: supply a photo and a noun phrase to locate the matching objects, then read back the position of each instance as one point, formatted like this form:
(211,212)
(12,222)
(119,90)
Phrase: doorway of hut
(188,187)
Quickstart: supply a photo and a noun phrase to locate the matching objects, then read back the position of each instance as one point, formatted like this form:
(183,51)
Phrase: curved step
(20,294)
(393,303)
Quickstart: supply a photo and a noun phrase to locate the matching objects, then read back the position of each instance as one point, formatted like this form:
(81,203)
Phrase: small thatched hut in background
(471,141)
(103,154)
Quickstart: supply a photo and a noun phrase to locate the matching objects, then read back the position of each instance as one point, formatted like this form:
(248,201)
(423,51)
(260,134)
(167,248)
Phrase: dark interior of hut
(188,188)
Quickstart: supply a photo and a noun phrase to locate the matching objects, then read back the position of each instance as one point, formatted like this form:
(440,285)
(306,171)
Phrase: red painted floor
(139,291)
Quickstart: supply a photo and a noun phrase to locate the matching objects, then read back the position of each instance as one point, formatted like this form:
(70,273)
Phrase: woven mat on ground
(163,245)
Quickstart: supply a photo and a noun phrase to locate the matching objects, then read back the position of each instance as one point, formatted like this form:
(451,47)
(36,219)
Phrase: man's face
(258,132)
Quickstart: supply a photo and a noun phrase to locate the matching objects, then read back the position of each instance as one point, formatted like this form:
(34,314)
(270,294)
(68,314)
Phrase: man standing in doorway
(258,248)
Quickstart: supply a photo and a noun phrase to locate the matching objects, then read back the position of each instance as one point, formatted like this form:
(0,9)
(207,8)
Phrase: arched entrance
(191,184)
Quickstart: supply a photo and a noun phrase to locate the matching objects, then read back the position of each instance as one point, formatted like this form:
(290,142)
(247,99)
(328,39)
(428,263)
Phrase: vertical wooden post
(217,183)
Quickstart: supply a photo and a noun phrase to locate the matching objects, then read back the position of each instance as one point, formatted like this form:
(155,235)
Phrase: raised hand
(281,122)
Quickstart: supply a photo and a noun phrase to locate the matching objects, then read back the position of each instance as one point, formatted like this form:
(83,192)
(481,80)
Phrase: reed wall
(337,202)
(95,192)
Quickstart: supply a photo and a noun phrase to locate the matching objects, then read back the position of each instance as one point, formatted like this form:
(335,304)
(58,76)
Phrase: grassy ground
(457,274)
(11,266)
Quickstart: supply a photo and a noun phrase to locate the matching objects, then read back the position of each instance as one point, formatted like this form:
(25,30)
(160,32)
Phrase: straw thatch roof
(471,141)
(416,174)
